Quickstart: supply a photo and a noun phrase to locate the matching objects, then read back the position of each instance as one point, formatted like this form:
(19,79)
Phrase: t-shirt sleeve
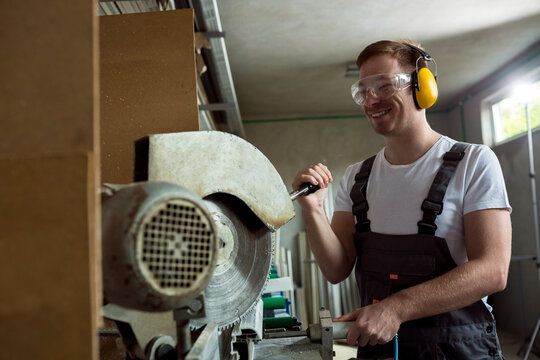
(485,184)
(343,198)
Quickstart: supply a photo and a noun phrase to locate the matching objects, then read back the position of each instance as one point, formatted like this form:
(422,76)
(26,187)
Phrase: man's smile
(376,113)
(380,113)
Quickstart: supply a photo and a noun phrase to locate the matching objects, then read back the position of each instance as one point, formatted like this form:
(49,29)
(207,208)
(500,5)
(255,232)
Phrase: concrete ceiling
(288,58)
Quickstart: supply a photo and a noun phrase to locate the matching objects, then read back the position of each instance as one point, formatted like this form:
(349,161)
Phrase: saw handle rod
(305,189)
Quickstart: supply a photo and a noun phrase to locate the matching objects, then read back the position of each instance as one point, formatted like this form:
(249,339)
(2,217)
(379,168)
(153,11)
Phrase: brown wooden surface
(148,83)
(46,306)
(49,174)
(47,78)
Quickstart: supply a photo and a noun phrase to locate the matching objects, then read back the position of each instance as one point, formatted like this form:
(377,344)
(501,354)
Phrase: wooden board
(148,83)
(47,77)
(47,308)
(49,175)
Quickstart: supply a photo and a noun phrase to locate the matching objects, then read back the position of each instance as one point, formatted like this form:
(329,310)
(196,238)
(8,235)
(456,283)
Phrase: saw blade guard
(209,162)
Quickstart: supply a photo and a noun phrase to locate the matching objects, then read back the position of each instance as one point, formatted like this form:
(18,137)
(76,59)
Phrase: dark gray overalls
(389,263)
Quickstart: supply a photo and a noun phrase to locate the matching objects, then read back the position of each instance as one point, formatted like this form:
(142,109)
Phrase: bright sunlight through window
(509,118)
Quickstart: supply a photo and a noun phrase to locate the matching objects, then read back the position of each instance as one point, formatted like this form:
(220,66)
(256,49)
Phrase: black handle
(311,188)
(305,189)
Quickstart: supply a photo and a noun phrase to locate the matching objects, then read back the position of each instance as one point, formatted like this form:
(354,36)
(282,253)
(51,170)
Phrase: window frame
(497,97)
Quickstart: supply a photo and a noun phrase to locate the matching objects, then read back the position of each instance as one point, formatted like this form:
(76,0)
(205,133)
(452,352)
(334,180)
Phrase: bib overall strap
(358,196)
(433,204)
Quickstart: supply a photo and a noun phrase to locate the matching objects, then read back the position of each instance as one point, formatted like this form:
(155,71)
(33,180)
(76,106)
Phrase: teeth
(381,113)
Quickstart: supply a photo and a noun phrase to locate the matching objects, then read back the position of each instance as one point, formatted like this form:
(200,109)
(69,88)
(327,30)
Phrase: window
(509,116)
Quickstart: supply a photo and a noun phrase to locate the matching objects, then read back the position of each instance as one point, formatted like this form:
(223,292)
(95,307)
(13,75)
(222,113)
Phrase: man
(428,249)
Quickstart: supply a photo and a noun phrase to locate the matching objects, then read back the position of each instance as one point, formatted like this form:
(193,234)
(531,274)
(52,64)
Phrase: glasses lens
(357,97)
(386,86)
(382,86)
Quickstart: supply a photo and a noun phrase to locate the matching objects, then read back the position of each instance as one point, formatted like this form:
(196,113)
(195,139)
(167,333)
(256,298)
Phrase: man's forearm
(456,289)
(488,237)
(328,250)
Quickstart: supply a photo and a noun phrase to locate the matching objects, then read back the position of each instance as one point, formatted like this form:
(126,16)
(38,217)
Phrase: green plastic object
(278,322)
(274,302)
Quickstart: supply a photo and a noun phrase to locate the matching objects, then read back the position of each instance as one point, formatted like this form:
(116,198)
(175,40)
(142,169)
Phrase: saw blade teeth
(265,284)
(254,305)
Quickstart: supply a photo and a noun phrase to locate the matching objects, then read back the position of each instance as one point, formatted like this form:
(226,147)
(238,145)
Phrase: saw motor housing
(159,246)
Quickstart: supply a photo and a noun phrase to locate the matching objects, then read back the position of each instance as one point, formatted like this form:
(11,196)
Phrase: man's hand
(319,175)
(374,324)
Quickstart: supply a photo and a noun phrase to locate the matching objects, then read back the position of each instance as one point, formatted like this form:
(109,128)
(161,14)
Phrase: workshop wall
(516,308)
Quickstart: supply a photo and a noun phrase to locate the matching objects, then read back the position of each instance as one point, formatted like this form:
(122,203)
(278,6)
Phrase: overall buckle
(454,155)
(426,228)
(364,226)
(432,206)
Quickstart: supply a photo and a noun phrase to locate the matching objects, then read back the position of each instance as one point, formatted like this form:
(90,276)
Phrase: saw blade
(244,259)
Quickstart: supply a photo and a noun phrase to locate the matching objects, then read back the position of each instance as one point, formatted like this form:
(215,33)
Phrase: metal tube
(305,189)
(296,194)
(208,20)
(340,329)
(533,189)
(535,219)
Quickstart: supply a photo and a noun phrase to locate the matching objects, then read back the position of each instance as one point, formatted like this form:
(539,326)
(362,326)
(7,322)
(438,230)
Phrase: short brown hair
(405,55)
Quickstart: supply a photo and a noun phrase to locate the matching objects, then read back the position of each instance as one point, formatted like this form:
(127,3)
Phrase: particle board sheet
(148,83)
(47,299)
(292,348)
(47,78)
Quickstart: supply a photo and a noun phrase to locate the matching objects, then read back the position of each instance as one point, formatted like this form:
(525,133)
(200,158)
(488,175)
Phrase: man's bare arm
(488,242)
(488,237)
(332,245)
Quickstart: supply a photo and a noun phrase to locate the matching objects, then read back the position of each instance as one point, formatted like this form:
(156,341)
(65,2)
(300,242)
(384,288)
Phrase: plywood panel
(148,83)
(49,250)
(46,300)
(46,76)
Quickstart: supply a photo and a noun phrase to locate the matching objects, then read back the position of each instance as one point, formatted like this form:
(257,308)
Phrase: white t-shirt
(395,192)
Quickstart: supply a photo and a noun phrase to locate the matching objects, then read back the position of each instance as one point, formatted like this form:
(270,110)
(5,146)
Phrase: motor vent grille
(177,247)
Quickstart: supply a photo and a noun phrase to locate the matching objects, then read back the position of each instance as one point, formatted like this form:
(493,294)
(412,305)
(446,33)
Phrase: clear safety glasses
(382,86)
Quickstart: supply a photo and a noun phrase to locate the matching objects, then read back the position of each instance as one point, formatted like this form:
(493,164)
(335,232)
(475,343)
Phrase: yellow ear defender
(425,83)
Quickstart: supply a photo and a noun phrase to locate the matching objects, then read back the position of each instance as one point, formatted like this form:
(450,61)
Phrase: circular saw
(239,201)
(247,200)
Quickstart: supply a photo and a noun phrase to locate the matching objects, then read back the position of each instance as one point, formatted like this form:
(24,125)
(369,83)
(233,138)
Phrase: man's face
(391,116)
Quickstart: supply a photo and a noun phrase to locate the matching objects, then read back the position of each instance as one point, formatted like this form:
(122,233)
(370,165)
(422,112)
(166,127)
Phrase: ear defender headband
(425,83)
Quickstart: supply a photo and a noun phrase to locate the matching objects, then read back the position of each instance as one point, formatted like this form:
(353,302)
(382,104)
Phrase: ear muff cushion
(428,93)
